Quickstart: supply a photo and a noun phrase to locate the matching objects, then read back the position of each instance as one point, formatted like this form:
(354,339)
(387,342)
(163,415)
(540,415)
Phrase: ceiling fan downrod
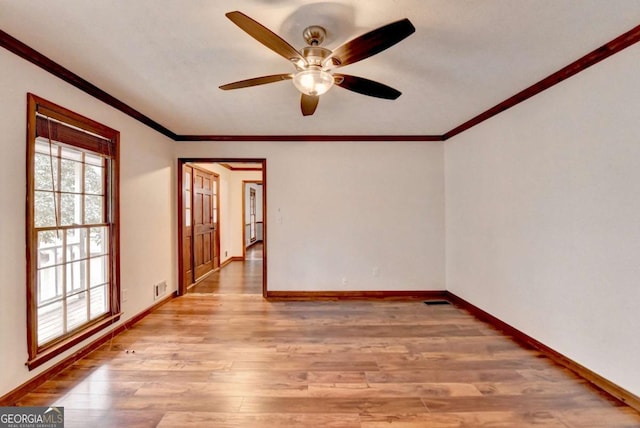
(314,35)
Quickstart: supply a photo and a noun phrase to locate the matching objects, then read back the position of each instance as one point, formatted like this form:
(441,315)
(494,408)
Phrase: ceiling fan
(314,64)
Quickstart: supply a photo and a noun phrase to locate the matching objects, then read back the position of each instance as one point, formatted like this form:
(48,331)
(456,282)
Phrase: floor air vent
(436,302)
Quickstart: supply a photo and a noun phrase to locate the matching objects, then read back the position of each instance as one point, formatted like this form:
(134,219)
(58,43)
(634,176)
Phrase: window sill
(55,350)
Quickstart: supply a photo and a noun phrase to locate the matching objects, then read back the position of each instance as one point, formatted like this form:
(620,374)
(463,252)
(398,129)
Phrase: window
(252,215)
(72,229)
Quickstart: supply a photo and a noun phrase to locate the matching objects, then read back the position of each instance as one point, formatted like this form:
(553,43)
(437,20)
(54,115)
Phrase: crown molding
(616,45)
(22,50)
(318,138)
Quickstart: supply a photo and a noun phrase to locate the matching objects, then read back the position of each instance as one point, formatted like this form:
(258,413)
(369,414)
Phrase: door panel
(203,226)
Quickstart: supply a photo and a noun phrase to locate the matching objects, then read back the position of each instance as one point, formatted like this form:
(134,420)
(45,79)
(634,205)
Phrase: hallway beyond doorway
(233,173)
(254,252)
(239,277)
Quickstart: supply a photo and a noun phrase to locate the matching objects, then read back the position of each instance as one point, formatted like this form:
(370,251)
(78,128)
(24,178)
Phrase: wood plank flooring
(244,277)
(236,360)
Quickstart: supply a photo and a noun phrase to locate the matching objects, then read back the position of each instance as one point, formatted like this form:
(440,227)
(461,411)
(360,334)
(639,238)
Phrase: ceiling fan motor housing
(314,35)
(315,55)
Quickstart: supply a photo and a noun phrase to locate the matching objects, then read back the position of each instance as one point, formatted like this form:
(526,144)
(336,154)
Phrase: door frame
(182,289)
(244,197)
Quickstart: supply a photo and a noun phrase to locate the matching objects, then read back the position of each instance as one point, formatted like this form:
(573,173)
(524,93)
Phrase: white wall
(147,178)
(340,209)
(543,217)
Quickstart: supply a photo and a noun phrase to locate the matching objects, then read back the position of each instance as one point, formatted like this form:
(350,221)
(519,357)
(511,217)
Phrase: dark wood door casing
(184,281)
(216,221)
(187,225)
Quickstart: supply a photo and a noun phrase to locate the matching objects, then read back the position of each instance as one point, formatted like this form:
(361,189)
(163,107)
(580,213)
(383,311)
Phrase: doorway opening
(253,219)
(222,236)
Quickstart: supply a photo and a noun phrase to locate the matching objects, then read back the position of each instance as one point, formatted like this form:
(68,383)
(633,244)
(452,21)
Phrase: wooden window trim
(104,141)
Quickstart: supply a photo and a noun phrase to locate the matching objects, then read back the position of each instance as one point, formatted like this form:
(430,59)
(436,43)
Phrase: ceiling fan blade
(366,86)
(265,36)
(370,43)
(256,81)
(308,104)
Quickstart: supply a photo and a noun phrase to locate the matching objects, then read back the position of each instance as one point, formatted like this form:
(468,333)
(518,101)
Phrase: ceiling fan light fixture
(313,81)
(314,63)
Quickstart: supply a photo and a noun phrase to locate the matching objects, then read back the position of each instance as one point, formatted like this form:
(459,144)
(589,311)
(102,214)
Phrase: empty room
(411,213)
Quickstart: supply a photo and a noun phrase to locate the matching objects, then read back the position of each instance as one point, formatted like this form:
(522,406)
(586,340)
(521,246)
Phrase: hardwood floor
(237,360)
(239,277)
(254,252)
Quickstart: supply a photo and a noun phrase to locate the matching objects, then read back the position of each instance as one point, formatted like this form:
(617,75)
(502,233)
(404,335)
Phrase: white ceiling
(166,58)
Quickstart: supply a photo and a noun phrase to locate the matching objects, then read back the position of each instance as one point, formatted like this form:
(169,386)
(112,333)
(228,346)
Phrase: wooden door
(204,227)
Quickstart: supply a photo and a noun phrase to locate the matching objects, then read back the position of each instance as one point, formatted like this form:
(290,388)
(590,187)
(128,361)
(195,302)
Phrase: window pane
(76,276)
(98,301)
(43,173)
(187,181)
(98,241)
(93,209)
(73,154)
(76,310)
(42,146)
(187,199)
(49,284)
(99,271)
(71,176)
(93,180)
(76,244)
(44,212)
(187,217)
(93,159)
(49,248)
(50,322)
(70,209)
